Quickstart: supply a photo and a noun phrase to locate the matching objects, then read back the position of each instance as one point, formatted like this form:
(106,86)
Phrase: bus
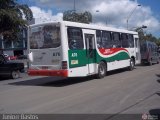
(70,49)
(149,52)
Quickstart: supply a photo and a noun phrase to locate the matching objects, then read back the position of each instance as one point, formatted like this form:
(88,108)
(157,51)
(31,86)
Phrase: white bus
(70,49)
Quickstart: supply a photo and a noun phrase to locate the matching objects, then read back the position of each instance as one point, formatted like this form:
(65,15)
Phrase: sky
(114,13)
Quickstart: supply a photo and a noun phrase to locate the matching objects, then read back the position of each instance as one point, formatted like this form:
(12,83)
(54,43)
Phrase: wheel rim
(132,64)
(101,70)
(15,74)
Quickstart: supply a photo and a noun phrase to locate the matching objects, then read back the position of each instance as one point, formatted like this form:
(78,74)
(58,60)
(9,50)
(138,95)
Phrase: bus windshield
(42,37)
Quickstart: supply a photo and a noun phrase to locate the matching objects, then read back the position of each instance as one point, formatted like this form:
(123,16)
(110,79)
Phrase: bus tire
(102,69)
(132,65)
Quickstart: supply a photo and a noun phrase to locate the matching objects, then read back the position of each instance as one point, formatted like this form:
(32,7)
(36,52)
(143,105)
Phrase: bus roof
(86,26)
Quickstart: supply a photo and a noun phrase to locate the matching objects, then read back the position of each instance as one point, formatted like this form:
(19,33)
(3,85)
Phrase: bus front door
(90,52)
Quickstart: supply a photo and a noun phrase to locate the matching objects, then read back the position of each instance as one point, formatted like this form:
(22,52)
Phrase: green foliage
(158,42)
(73,16)
(11,17)
(148,37)
(152,38)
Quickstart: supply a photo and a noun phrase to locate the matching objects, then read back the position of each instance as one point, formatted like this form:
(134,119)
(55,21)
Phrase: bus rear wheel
(132,64)
(102,69)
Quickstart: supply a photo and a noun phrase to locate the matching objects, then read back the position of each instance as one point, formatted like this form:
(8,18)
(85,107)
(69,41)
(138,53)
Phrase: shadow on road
(52,81)
(158,93)
(61,82)
(158,75)
(158,80)
(155,112)
(7,78)
(69,81)
(4,78)
(117,71)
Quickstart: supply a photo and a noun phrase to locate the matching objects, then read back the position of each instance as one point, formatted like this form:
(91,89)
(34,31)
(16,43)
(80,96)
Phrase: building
(16,47)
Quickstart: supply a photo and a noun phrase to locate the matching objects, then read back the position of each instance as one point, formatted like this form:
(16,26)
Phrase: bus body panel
(45,50)
(47,57)
(78,71)
(115,58)
(117,65)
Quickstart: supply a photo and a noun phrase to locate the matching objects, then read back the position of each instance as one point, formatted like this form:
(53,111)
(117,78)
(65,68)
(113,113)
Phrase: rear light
(64,64)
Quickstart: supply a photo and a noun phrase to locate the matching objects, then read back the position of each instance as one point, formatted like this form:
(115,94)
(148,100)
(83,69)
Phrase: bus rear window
(75,38)
(47,36)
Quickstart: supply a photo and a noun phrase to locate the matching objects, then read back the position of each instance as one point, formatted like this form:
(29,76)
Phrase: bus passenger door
(90,52)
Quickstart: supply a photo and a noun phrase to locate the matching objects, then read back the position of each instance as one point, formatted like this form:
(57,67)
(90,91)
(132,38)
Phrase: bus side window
(124,38)
(131,41)
(98,38)
(75,39)
(116,40)
(106,39)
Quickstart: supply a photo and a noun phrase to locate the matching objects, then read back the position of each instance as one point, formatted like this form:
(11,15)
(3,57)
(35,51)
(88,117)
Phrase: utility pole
(131,14)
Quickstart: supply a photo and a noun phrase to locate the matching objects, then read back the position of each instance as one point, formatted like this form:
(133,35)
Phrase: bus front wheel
(101,70)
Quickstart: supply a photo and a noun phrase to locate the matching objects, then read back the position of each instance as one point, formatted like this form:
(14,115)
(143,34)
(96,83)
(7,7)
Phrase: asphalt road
(121,92)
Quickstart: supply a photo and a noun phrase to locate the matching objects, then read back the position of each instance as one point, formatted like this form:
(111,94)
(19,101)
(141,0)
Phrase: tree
(73,16)
(148,37)
(140,33)
(151,38)
(158,42)
(11,17)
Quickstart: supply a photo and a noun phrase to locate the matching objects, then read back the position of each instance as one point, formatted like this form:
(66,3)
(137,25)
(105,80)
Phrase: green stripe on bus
(78,58)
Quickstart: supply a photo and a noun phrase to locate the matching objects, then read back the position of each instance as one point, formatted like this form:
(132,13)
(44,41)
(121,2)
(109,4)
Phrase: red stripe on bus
(62,73)
(111,50)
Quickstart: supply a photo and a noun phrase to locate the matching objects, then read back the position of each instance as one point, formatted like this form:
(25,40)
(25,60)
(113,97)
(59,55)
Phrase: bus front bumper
(61,73)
